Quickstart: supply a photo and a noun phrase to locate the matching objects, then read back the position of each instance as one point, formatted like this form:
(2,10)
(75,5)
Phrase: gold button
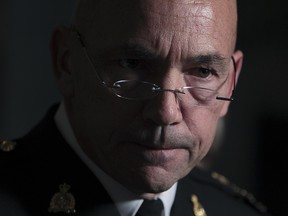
(7,145)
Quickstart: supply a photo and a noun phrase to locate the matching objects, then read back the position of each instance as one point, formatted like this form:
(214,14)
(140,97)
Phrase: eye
(204,72)
(129,63)
(201,72)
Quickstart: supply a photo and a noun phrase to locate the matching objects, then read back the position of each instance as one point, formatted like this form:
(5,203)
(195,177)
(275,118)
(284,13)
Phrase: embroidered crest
(7,145)
(63,201)
(197,207)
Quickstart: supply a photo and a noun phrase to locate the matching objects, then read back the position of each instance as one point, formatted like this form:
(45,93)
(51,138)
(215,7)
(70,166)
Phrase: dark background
(254,151)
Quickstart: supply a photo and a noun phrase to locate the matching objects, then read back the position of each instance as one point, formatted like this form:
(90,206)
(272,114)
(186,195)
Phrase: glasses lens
(139,90)
(131,89)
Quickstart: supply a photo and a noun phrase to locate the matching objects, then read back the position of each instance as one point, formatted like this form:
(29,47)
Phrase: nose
(164,109)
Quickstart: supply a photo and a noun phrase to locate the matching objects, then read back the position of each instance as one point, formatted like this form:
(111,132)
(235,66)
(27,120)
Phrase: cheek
(202,123)
(98,117)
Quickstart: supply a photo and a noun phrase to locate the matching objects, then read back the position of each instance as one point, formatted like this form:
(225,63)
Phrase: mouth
(153,154)
(154,146)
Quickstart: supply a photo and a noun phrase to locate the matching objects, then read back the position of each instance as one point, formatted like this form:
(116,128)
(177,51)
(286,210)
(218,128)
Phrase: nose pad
(164,109)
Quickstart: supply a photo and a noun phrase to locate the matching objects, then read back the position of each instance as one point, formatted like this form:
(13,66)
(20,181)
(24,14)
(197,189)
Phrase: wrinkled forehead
(168,15)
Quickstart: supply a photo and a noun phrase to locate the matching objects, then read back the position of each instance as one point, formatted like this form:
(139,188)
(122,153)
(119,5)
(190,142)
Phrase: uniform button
(7,145)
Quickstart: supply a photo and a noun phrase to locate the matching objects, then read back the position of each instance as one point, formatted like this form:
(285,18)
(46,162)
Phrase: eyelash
(202,72)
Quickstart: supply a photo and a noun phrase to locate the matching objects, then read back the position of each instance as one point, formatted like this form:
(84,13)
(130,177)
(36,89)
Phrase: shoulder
(35,144)
(12,165)
(12,154)
(41,148)
(218,194)
(23,160)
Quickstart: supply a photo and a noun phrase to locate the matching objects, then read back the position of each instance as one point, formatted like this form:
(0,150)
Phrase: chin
(155,180)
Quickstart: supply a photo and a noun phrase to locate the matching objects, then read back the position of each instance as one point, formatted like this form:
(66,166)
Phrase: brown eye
(204,72)
(200,72)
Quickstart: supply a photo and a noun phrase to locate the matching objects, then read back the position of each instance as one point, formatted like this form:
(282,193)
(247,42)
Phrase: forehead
(157,21)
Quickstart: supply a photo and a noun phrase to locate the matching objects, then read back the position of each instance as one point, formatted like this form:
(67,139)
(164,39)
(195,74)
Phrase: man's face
(148,145)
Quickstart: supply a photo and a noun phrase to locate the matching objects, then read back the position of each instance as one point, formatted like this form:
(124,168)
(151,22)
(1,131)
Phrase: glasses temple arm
(88,57)
(234,84)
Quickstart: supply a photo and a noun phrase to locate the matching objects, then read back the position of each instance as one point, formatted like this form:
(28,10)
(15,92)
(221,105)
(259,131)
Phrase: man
(144,83)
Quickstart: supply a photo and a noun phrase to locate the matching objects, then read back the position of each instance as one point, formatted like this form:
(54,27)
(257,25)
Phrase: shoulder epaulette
(239,192)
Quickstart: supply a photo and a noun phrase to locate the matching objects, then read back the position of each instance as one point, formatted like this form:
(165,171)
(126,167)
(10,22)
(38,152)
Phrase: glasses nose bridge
(174,91)
(170,81)
(169,92)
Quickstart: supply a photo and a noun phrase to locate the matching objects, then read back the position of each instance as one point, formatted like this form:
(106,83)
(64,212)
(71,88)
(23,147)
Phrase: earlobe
(61,60)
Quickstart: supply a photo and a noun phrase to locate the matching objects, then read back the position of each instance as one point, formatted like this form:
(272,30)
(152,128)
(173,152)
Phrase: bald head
(99,13)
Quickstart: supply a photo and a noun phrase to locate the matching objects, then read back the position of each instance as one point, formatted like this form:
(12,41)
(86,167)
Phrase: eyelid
(216,69)
(194,68)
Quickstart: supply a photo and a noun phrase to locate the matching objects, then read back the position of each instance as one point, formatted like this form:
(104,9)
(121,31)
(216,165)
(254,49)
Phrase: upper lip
(155,146)
(158,145)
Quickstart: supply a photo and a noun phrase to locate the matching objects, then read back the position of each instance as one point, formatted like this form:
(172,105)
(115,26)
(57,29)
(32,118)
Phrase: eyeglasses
(133,89)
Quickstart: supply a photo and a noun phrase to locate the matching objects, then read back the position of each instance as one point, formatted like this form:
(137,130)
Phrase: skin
(148,145)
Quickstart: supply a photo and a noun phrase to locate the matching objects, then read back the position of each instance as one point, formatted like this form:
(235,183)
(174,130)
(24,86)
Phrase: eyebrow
(132,49)
(214,58)
(137,51)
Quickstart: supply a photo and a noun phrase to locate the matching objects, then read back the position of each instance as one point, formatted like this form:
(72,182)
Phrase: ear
(238,57)
(61,60)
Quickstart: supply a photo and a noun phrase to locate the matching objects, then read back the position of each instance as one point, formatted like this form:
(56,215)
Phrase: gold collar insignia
(197,207)
(63,201)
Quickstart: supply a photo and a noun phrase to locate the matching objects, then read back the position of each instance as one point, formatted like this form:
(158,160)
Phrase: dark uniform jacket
(41,175)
